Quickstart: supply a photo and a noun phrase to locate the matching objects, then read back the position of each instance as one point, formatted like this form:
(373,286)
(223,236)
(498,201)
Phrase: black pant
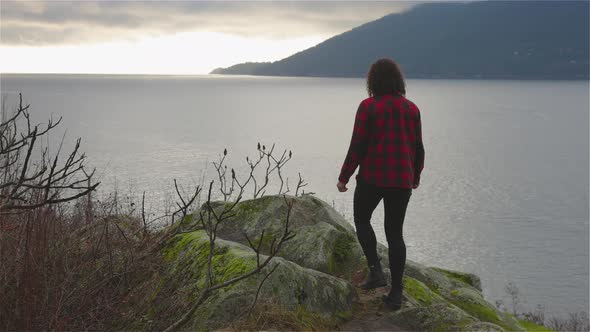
(395,200)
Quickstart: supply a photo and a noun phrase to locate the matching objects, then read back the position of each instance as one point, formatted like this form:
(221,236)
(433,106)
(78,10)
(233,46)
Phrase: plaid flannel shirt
(386,143)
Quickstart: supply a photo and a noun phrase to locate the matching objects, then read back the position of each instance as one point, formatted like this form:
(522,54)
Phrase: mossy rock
(474,304)
(324,240)
(290,286)
(468,278)
(533,327)
(433,278)
(428,287)
(420,293)
(441,316)
(311,280)
(482,327)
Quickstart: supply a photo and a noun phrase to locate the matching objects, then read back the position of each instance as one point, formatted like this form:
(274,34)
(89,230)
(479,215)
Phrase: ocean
(504,192)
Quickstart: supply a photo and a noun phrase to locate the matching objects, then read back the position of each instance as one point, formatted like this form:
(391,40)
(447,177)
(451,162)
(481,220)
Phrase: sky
(169,37)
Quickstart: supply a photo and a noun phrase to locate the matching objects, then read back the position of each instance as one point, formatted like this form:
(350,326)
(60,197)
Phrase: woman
(387,144)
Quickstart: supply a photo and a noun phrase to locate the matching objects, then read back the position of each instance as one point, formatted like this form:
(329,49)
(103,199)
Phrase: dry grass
(62,270)
(269,316)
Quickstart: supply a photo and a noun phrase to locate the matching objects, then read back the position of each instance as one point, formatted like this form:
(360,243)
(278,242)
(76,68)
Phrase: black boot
(393,300)
(375,278)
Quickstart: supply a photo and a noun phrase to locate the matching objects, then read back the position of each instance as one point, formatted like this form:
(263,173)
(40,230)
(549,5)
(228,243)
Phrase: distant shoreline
(270,76)
(419,77)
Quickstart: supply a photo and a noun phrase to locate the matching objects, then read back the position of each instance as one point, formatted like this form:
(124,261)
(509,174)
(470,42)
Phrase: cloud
(85,22)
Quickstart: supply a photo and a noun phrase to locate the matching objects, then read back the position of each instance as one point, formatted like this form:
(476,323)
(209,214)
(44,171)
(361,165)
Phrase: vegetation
(31,177)
(68,260)
(420,292)
(479,39)
(270,316)
(536,320)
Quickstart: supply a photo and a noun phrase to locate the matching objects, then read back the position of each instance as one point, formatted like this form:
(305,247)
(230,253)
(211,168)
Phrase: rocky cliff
(313,283)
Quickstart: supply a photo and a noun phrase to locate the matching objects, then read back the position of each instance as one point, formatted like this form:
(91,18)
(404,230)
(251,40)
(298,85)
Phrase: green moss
(187,257)
(230,265)
(530,326)
(310,321)
(419,292)
(187,221)
(266,241)
(459,276)
(177,244)
(477,326)
(246,208)
(481,312)
(440,316)
(252,207)
(190,252)
(343,247)
(454,275)
(342,316)
(452,326)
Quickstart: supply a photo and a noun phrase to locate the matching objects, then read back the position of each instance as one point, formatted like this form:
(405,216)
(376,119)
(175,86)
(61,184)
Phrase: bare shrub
(537,316)
(28,181)
(68,261)
(61,273)
(574,322)
(514,294)
(209,221)
(268,162)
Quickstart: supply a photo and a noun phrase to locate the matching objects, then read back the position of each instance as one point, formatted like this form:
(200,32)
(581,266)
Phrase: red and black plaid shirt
(386,143)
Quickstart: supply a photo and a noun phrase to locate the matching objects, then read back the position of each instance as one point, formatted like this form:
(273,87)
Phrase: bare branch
(260,287)
(28,182)
(300,185)
(210,286)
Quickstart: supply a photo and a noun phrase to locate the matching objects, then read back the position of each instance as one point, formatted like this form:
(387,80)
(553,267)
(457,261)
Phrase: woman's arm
(358,145)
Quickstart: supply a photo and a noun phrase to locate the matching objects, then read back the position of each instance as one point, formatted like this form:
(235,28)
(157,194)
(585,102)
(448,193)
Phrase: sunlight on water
(504,193)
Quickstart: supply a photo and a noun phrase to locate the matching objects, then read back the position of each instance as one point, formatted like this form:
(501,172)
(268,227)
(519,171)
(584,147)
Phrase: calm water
(504,193)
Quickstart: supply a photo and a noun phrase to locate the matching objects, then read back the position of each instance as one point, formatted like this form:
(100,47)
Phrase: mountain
(248,68)
(484,39)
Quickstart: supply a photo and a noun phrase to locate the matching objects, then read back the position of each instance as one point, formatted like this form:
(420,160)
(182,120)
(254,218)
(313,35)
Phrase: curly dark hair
(385,77)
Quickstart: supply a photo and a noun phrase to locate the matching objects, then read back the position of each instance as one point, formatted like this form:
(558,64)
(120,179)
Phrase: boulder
(324,240)
(313,276)
(462,290)
(440,316)
(291,286)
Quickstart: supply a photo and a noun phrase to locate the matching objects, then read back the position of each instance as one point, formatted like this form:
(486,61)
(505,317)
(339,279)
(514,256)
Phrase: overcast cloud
(83,22)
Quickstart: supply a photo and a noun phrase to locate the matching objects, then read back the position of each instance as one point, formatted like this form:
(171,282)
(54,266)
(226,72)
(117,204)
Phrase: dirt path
(369,313)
